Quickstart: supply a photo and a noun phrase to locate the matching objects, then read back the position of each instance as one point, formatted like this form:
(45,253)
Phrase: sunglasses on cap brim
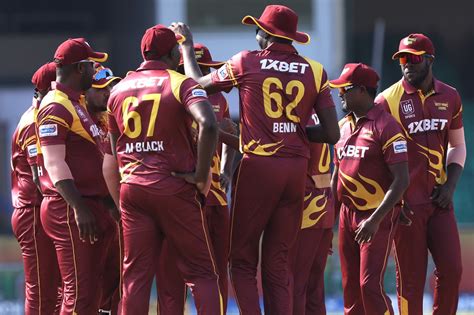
(413,59)
(344,89)
(103,74)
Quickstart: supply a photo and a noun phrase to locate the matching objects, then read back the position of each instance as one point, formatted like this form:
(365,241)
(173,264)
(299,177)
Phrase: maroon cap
(43,77)
(415,44)
(279,21)
(77,49)
(203,57)
(160,40)
(357,74)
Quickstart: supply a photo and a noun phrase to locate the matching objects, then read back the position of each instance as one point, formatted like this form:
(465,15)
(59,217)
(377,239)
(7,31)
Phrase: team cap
(357,74)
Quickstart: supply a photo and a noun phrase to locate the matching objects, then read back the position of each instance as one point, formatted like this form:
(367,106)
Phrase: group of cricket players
(117,181)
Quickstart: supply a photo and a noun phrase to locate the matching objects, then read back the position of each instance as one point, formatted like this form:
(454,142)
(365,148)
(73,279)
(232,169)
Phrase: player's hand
(182,29)
(366,230)
(224,181)
(201,185)
(228,126)
(115,213)
(86,224)
(442,195)
(405,214)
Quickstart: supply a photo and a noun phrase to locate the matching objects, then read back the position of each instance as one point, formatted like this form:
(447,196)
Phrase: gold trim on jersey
(317,69)
(129,167)
(176,80)
(325,159)
(260,149)
(393,96)
(60,97)
(396,137)
(372,200)
(313,208)
(439,173)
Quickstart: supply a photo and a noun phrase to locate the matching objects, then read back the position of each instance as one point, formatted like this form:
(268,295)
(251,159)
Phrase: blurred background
(342,31)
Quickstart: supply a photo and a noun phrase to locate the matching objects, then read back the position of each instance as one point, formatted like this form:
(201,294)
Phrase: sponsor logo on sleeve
(222,73)
(32,150)
(199,93)
(49,130)
(400,146)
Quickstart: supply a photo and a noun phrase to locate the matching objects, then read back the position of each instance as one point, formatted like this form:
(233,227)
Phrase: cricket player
(163,176)
(171,292)
(370,176)
(73,212)
(42,278)
(278,91)
(96,103)
(430,113)
(312,247)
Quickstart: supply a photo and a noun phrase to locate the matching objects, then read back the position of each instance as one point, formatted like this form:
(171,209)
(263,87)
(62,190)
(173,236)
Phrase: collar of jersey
(71,94)
(282,47)
(372,114)
(153,65)
(410,89)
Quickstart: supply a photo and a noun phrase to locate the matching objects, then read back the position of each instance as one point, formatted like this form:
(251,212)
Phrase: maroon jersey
(100,119)
(318,202)
(62,119)
(147,110)
(24,191)
(278,90)
(426,120)
(363,153)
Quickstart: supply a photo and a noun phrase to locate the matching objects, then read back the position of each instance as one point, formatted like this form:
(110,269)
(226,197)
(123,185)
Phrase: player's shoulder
(345,120)
(54,98)
(395,89)
(444,88)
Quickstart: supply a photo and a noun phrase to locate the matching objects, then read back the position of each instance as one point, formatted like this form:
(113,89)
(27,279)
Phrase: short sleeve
(29,144)
(456,121)
(324,99)
(230,74)
(393,141)
(53,122)
(191,92)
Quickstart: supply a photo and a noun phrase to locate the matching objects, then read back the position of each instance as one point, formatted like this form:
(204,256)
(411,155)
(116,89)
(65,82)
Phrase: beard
(419,77)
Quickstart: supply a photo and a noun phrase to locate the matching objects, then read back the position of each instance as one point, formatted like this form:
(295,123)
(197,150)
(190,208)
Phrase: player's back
(278,91)
(147,112)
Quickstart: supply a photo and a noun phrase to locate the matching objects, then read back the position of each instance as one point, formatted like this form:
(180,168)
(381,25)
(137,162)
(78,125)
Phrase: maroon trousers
(42,278)
(111,287)
(310,253)
(267,200)
(81,264)
(363,266)
(169,281)
(432,229)
(147,219)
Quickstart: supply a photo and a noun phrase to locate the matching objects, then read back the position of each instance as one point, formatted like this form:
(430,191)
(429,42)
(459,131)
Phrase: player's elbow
(333,135)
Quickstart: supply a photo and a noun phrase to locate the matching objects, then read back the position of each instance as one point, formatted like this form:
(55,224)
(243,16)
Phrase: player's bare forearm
(69,192)
(112,178)
(328,129)
(401,180)
(229,139)
(206,144)
(454,173)
(228,154)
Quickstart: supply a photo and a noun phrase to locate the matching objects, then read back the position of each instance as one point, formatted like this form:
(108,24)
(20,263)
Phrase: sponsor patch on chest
(49,130)
(408,109)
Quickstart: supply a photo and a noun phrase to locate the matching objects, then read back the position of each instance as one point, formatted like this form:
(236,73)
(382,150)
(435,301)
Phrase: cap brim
(408,51)
(103,83)
(180,38)
(213,64)
(334,84)
(299,37)
(98,56)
